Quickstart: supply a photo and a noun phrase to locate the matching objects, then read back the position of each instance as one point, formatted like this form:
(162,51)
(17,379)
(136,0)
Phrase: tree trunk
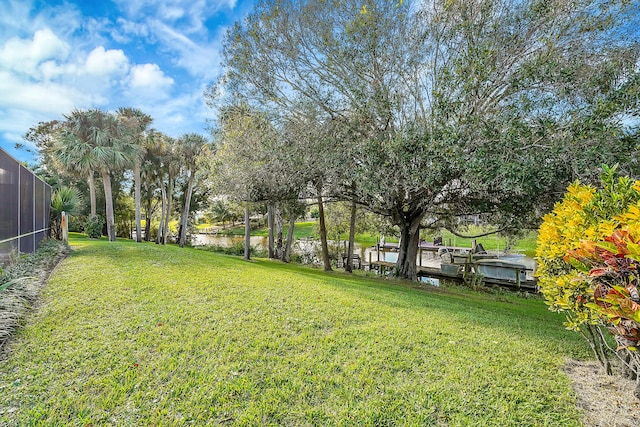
(323,234)
(279,225)
(352,237)
(137,196)
(270,222)
(165,231)
(247,232)
(287,248)
(108,197)
(55,229)
(185,212)
(163,212)
(409,238)
(147,220)
(92,194)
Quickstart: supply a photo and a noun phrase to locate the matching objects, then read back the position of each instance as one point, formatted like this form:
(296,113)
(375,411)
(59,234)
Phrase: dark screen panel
(27,243)
(8,200)
(40,224)
(38,237)
(39,205)
(26,201)
(47,209)
(24,207)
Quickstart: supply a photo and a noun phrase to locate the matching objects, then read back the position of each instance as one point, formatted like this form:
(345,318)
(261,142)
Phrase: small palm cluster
(94,145)
(64,199)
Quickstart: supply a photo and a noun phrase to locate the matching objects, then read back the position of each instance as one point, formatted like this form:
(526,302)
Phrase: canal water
(366,253)
(299,246)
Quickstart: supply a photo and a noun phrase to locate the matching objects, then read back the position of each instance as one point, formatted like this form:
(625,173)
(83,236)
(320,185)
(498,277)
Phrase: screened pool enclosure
(25,202)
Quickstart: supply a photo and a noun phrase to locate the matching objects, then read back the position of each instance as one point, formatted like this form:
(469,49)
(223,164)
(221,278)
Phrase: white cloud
(179,114)
(149,76)
(50,70)
(43,96)
(25,102)
(43,77)
(170,12)
(24,55)
(54,59)
(106,62)
(187,17)
(129,29)
(199,59)
(19,17)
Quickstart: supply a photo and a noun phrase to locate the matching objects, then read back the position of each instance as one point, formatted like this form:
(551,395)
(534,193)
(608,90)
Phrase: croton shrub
(588,255)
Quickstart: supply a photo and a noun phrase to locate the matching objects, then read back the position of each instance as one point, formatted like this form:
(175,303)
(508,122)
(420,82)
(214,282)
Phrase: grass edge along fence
(21,282)
(25,203)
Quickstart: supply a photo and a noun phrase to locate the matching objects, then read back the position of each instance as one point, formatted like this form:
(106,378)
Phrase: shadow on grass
(510,313)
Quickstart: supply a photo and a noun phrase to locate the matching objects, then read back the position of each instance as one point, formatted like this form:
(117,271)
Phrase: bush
(314,213)
(76,223)
(588,257)
(93,227)
(236,249)
(64,199)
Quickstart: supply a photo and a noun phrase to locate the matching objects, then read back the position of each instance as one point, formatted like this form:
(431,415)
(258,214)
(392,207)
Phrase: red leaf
(597,272)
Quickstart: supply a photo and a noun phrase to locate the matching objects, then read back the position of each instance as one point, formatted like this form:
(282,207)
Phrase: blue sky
(156,55)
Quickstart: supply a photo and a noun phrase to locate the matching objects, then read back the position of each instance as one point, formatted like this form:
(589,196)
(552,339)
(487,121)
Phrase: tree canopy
(96,145)
(444,109)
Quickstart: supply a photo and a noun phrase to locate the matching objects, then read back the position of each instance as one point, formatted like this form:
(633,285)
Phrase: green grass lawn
(143,335)
(526,245)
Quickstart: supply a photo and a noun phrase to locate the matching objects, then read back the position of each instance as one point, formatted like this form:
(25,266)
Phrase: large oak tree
(453,107)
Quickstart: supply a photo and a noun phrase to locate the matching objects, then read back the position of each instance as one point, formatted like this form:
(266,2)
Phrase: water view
(366,253)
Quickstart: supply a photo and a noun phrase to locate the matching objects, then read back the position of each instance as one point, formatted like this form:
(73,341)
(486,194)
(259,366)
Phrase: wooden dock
(523,284)
(459,275)
(427,247)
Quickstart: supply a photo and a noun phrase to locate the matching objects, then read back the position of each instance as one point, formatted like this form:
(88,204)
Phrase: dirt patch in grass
(607,401)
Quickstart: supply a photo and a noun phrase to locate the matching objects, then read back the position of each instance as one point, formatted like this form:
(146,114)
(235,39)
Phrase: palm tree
(73,150)
(64,199)
(191,146)
(114,151)
(220,212)
(150,175)
(162,165)
(98,142)
(171,164)
(158,171)
(136,122)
